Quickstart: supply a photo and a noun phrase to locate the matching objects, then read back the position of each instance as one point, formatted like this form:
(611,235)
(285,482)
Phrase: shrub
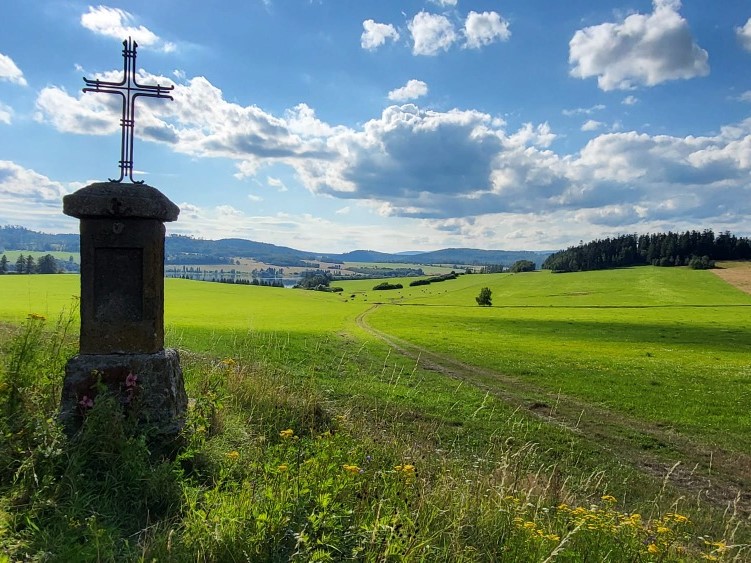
(483,300)
(387,285)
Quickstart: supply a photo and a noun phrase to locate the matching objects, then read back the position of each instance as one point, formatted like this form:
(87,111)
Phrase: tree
(47,265)
(4,265)
(30,266)
(20,264)
(483,300)
(522,266)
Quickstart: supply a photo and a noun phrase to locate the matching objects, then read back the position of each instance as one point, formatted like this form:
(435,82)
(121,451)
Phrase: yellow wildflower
(233,455)
(609,498)
(708,557)
(351,468)
(653,549)
(530,525)
(288,433)
(35,317)
(407,468)
(283,467)
(553,537)
(663,530)
(679,518)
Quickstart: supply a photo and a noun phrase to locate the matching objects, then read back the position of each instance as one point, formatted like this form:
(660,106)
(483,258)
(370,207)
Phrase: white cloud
(376,34)
(591,125)
(441,165)
(6,114)
(630,100)
(344,210)
(445,2)
(276,183)
(119,24)
(744,34)
(484,29)
(410,91)
(585,111)
(431,33)
(10,72)
(255,198)
(745,97)
(640,50)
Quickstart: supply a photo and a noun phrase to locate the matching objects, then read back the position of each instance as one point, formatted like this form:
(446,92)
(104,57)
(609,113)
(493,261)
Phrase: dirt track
(719,476)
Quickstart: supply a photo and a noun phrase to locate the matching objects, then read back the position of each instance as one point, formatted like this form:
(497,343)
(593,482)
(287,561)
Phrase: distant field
(735,273)
(672,346)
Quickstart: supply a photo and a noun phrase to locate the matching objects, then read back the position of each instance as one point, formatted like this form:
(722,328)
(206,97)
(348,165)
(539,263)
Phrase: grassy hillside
(408,424)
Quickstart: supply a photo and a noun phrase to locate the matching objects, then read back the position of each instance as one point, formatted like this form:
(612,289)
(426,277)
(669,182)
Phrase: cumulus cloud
(591,125)
(10,72)
(445,2)
(630,100)
(410,91)
(119,24)
(640,50)
(744,34)
(441,165)
(484,29)
(431,33)
(376,34)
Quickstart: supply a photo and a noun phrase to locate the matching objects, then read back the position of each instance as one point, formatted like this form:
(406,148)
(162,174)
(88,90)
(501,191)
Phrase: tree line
(697,249)
(47,264)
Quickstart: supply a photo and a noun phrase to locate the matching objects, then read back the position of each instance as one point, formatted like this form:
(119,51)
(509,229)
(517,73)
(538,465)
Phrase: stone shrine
(122,287)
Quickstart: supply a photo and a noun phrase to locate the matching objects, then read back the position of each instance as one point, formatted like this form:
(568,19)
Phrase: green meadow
(589,416)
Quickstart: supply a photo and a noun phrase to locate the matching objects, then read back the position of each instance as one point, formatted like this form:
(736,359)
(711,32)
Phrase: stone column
(122,307)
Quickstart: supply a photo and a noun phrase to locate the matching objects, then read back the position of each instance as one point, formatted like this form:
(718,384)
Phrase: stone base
(148,385)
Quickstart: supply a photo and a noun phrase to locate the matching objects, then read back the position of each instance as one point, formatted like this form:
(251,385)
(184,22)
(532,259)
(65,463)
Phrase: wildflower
(663,530)
(131,381)
(406,469)
(708,557)
(234,455)
(288,433)
(609,498)
(229,362)
(530,525)
(553,537)
(679,518)
(283,467)
(653,549)
(35,317)
(351,468)
(86,402)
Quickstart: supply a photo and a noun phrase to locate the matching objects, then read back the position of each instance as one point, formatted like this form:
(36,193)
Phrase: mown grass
(309,440)
(671,346)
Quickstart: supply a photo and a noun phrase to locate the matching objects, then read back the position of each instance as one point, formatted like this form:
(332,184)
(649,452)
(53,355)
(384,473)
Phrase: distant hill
(180,249)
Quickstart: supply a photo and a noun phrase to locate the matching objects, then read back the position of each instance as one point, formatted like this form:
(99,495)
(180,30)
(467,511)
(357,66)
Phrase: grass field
(523,421)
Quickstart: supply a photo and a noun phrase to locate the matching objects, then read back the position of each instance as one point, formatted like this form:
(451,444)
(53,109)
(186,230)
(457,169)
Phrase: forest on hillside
(698,249)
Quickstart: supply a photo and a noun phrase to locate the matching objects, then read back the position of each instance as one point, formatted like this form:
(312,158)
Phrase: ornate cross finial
(129,89)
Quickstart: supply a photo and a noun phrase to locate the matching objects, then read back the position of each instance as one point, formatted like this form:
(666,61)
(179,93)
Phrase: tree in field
(30,266)
(522,266)
(47,265)
(483,300)
(4,265)
(20,264)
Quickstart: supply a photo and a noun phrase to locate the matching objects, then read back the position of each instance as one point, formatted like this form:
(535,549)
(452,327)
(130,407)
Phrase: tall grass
(278,465)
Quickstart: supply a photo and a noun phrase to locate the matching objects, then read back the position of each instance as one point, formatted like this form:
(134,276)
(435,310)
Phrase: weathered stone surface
(122,286)
(149,386)
(120,200)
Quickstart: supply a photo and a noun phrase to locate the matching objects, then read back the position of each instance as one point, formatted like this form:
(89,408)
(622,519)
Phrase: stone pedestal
(122,306)
(148,386)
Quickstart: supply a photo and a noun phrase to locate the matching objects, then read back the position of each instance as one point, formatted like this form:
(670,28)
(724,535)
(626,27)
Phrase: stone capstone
(119,200)
(148,386)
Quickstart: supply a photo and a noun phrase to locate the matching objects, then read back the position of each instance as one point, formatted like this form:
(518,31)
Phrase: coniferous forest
(691,248)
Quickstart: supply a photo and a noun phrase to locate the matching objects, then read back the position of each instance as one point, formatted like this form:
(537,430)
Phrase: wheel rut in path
(717,475)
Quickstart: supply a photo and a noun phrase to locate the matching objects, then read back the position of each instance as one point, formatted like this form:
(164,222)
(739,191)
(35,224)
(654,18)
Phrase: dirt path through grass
(706,471)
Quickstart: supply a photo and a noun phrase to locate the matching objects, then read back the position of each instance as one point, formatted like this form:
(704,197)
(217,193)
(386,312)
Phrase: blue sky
(333,125)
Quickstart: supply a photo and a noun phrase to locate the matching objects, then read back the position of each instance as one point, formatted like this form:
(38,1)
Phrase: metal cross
(129,89)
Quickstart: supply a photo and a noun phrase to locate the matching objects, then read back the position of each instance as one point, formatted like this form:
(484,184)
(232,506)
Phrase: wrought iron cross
(129,89)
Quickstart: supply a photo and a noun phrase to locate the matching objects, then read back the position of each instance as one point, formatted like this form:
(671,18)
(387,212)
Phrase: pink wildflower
(86,402)
(131,381)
